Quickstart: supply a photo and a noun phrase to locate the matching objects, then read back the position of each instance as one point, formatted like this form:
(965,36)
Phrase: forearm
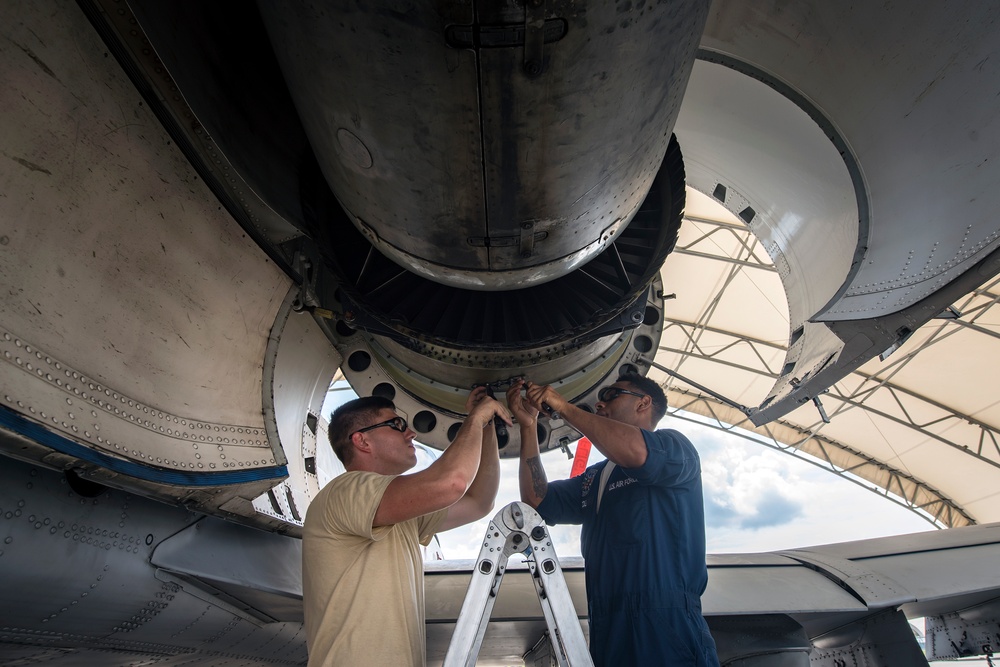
(463,456)
(483,490)
(531,475)
(621,443)
(442,485)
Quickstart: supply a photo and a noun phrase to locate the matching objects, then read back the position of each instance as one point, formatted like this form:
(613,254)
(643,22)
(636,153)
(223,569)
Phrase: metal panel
(79,588)
(141,308)
(911,93)
(772,157)
(881,640)
(223,552)
(403,118)
(117,259)
(790,589)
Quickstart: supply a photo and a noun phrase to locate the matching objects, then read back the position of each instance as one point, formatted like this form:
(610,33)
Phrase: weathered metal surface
(444,157)
(80,587)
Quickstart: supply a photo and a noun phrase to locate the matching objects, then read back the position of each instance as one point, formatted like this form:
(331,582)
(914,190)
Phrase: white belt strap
(605,475)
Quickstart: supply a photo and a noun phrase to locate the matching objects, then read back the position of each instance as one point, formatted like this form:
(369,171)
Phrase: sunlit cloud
(747,487)
(772,509)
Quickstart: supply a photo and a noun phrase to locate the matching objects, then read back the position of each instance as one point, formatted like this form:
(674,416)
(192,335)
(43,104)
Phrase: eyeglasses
(609,394)
(396,424)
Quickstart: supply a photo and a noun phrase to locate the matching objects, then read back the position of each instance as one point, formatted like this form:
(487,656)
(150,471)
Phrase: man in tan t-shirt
(362,571)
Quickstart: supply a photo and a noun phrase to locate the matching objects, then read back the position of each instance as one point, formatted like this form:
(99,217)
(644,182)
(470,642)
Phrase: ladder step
(518,529)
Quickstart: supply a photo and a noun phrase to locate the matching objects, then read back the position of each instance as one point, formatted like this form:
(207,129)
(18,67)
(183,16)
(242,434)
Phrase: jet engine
(464,193)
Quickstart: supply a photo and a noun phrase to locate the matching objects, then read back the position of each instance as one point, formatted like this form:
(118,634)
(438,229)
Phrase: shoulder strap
(605,475)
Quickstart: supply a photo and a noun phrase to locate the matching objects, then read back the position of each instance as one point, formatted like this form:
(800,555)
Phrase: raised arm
(530,476)
(622,443)
(478,500)
(446,481)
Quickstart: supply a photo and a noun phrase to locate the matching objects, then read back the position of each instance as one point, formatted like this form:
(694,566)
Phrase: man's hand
(482,409)
(524,413)
(475,397)
(620,441)
(541,395)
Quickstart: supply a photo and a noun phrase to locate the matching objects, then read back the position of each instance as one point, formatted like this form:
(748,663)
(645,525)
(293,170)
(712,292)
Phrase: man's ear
(645,404)
(360,443)
(644,413)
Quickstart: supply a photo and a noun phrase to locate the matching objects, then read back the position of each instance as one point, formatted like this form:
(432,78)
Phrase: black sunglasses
(396,424)
(609,394)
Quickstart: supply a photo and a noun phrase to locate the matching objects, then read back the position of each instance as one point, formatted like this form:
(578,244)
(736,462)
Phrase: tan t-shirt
(363,588)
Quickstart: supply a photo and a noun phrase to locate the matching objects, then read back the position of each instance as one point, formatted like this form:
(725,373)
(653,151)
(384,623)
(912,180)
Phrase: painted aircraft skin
(172,315)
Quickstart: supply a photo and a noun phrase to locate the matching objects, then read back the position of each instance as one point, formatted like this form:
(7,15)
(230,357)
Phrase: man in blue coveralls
(643,519)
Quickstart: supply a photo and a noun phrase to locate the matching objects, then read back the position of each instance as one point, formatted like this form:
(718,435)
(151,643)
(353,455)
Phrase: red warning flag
(582,455)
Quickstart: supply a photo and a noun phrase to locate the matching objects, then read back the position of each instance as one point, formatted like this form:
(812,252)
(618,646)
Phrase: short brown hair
(350,417)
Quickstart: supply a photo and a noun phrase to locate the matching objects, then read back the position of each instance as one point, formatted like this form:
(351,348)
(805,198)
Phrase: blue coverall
(645,555)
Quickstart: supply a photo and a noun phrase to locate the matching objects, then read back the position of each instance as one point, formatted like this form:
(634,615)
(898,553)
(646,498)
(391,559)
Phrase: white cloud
(760,499)
(745,485)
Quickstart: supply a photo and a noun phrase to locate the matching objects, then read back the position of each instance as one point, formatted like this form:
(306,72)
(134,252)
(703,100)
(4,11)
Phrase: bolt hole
(359,361)
(384,390)
(424,421)
(652,316)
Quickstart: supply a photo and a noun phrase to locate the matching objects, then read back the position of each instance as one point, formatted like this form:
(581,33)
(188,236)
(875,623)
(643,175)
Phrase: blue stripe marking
(18,424)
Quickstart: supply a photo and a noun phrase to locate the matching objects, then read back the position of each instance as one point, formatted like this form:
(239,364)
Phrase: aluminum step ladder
(518,529)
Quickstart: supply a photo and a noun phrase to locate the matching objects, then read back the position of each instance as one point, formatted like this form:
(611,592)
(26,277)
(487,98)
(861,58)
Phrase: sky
(757,499)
